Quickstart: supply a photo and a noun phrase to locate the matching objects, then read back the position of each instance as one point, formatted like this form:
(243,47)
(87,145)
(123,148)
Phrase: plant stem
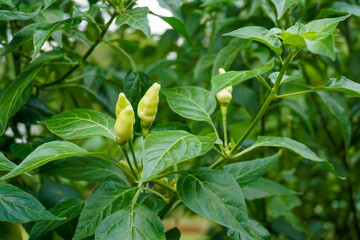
(296,93)
(164,185)
(266,103)
(263,81)
(168,207)
(87,54)
(262,111)
(133,154)
(123,149)
(119,166)
(156,193)
(224,113)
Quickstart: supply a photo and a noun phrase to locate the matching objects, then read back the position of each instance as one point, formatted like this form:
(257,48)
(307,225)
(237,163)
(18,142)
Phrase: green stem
(123,149)
(296,93)
(156,193)
(218,151)
(224,113)
(132,62)
(263,81)
(87,54)
(164,185)
(262,111)
(119,166)
(168,207)
(134,156)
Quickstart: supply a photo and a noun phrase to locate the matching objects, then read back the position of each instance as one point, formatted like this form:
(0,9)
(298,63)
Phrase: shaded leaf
(17,206)
(219,189)
(263,187)
(345,7)
(6,164)
(81,123)
(21,37)
(48,3)
(204,62)
(136,18)
(7,2)
(178,25)
(10,15)
(259,34)
(221,81)
(108,198)
(85,168)
(43,32)
(48,152)
(227,54)
(173,234)
(134,222)
(283,5)
(293,146)
(67,208)
(249,171)
(339,113)
(173,6)
(166,148)
(11,93)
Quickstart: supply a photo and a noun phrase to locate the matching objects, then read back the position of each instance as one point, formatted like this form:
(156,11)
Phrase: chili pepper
(124,126)
(147,107)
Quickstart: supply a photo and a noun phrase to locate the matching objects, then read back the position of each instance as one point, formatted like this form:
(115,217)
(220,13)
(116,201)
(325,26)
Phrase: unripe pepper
(225,95)
(147,107)
(121,104)
(124,126)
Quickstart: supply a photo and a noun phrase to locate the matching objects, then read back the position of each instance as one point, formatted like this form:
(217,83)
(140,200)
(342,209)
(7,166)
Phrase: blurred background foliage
(188,54)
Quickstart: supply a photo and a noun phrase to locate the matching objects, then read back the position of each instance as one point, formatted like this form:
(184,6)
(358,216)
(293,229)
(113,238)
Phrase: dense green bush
(274,156)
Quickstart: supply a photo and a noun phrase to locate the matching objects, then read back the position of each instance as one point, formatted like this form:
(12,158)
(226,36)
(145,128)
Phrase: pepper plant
(244,112)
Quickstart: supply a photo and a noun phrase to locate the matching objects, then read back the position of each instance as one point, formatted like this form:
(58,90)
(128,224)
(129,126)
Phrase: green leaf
(81,123)
(48,3)
(221,81)
(226,55)
(10,15)
(323,46)
(191,102)
(7,2)
(21,37)
(166,148)
(6,164)
(340,84)
(178,25)
(249,171)
(285,78)
(17,206)
(204,62)
(339,113)
(263,187)
(174,6)
(293,146)
(134,222)
(48,152)
(136,18)
(324,27)
(151,201)
(345,7)
(259,231)
(259,34)
(108,198)
(67,208)
(85,168)
(215,195)
(42,33)
(11,93)
(173,234)
(283,5)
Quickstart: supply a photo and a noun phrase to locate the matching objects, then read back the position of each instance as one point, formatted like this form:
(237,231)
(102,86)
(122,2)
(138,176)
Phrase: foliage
(280,161)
